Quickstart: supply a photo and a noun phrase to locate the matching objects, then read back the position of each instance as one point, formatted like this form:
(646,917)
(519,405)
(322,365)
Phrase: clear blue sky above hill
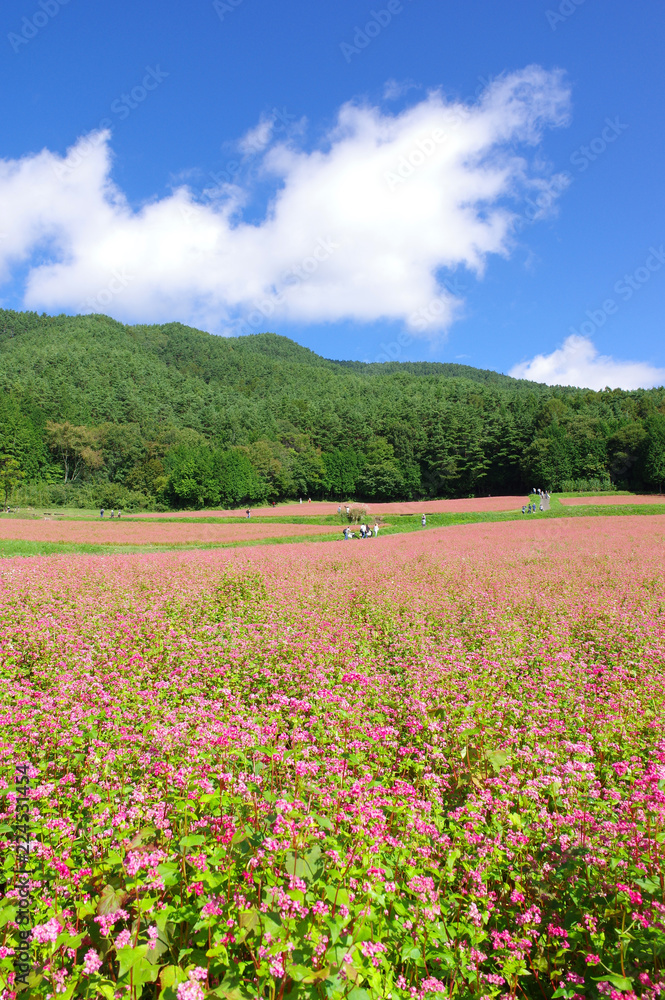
(417,179)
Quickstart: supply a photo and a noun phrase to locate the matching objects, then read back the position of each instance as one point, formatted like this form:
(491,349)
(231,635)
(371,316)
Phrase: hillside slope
(305,424)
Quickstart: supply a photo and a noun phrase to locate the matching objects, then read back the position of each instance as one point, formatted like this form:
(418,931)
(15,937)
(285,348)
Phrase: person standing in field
(423,521)
(101,513)
(249,513)
(376,531)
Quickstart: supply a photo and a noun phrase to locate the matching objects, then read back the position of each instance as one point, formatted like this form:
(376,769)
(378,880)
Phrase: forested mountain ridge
(93,410)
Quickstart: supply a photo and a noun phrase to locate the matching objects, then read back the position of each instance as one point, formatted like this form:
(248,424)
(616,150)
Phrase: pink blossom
(92,962)
(48,932)
(123,939)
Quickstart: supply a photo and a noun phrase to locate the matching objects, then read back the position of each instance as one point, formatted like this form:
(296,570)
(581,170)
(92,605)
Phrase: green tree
(342,472)
(193,479)
(77,447)
(10,476)
(381,476)
(625,448)
(654,457)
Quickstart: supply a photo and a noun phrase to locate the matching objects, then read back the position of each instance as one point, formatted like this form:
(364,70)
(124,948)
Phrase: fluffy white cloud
(256,140)
(578,362)
(362,227)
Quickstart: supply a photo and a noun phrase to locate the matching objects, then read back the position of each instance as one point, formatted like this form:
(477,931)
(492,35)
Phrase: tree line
(94,412)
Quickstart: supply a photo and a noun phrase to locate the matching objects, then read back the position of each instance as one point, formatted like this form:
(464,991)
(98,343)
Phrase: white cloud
(256,140)
(394,89)
(397,200)
(578,363)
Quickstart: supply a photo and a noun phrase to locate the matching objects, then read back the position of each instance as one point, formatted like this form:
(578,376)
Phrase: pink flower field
(318,508)
(610,501)
(136,533)
(431,767)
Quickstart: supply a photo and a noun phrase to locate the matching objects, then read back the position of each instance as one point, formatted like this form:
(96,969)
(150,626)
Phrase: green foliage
(10,476)
(206,477)
(184,418)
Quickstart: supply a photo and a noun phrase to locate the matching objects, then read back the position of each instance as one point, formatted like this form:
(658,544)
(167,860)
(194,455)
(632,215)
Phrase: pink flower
(123,939)
(107,920)
(91,962)
(191,990)
(59,980)
(198,973)
(45,933)
(432,985)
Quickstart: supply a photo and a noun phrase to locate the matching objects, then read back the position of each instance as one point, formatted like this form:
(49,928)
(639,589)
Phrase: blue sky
(418,179)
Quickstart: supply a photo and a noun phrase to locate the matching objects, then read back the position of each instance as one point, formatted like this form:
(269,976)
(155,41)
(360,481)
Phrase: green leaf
(193,840)
(7,913)
(171,975)
(165,928)
(145,834)
(649,884)
(111,900)
(303,974)
(159,948)
(231,988)
(498,759)
(299,973)
(129,957)
(620,982)
(248,920)
(67,939)
(169,872)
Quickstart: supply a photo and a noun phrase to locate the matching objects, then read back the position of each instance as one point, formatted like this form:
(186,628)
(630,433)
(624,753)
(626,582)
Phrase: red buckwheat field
(429,767)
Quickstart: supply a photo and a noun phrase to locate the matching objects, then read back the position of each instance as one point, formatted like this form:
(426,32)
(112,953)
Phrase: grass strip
(403,524)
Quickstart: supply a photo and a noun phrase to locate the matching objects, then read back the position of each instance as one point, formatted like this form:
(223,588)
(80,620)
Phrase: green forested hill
(170,415)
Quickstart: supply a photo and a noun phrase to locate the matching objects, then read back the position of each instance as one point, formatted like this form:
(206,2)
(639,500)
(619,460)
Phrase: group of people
(365,531)
(114,512)
(543,502)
